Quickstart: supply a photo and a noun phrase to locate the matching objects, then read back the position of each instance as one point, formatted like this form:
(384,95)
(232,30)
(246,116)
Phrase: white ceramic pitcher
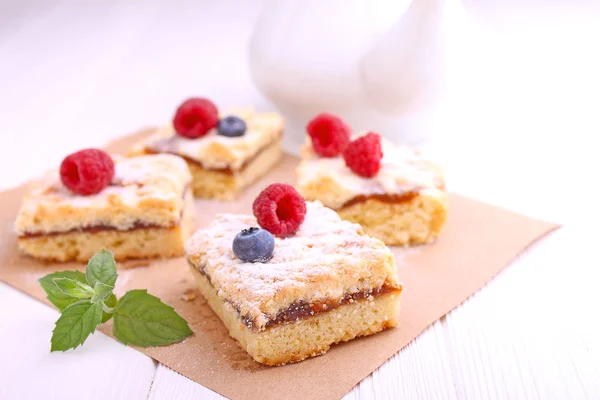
(377,64)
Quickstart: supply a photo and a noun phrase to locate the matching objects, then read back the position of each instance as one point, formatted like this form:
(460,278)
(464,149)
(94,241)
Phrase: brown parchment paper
(477,242)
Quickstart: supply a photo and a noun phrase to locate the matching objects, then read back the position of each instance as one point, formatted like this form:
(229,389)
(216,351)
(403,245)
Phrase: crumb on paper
(189,295)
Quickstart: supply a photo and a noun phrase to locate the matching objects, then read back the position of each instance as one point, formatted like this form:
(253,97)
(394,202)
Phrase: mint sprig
(75,324)
(54,294)
(86,301)
(101,268)
(142,319)
(73,288)
(101,292)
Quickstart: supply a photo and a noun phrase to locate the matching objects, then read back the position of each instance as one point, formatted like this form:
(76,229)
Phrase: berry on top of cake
(329,134)
(195,117)
(135,207)
(293,279)
(87,171)
(279,209)
(394,193)
(225,151)
(363,155)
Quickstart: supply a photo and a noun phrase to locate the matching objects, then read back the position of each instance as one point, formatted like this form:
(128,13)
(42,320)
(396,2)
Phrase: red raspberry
(329,134)
(279,209)
(87,171)
(195,117)
(363,155)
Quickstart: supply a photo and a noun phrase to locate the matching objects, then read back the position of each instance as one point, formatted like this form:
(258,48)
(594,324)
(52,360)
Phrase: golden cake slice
(146,211)
(223,166)
(404,203)
(328,283)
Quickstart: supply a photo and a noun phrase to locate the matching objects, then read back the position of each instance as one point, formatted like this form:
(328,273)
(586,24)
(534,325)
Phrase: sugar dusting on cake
(402,170)
(216,151)
(326,258)
(137,180)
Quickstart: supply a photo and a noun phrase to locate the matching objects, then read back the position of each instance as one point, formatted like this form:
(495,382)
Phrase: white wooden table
(519,130)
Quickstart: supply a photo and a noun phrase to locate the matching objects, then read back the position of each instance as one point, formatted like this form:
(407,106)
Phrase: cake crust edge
(309,337)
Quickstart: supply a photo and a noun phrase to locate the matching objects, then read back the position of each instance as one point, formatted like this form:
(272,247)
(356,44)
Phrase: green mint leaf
(143,320)
(101,268)
(110,302)
(75,324)
(101,292)
(73,288)
(54,294)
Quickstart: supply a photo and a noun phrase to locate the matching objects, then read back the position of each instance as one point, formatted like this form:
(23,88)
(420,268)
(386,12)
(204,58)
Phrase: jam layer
(395,198)
(98,228)
(302,309)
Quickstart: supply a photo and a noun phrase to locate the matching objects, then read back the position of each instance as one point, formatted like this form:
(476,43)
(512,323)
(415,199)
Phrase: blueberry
(254,245)
(231,126)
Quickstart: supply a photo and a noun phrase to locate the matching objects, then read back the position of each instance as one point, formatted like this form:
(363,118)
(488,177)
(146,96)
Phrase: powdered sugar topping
(214,151)
(146,188)
(402,170)
(326,258)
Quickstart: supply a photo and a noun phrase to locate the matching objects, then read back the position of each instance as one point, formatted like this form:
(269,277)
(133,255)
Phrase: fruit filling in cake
(393,192)
(294,278)
(135,207)
(225,152)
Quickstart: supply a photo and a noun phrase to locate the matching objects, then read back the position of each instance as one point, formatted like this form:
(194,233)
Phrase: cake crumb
(188,295)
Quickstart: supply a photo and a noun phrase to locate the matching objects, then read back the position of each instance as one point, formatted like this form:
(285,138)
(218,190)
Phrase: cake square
(404,204)
(146,211)
(223,166)
(328,283)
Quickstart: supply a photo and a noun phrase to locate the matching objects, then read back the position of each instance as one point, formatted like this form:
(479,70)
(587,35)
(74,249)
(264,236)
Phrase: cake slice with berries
(293,279)
(225,154)
(135,207)
(390,190)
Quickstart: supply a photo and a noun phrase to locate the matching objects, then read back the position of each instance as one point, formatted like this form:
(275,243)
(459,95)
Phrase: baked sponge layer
(139,243)
(415,221)
(308,337)
(81,246)
(221,185)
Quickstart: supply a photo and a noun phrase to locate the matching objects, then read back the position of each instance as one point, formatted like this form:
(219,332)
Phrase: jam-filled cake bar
(391,191)
(226,153)
(135,207)
(326,283)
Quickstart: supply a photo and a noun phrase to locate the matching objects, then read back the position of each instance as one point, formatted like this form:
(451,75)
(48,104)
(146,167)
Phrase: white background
(518,129)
